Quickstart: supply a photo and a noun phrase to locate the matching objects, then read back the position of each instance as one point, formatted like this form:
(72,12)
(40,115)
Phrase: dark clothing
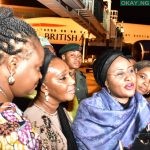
(66,129)
(81,86)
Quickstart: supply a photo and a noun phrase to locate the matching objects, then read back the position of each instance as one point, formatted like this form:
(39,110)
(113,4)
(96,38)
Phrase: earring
(46,96)
(11,79)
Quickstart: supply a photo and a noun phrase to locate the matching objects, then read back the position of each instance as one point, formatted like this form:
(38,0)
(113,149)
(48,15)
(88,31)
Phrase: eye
(79,56)
(63,78)
(131,71)
(72,55)
(120,74)
(142,76)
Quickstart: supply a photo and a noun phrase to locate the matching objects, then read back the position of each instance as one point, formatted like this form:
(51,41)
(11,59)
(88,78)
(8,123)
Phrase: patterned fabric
(15,130)
(49,128)
(101,121)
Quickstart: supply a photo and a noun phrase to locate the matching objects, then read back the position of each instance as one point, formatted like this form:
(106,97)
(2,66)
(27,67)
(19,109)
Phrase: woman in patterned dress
(46,112)
(21,56)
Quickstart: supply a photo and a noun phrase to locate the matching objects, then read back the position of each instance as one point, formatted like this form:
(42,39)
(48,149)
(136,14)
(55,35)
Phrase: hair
(130,57)
(142,64)
(13,28)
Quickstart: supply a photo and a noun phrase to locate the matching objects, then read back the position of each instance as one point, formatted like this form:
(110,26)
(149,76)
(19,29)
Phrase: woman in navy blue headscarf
(114,116)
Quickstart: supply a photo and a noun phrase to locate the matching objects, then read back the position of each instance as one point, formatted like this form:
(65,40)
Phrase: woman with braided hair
(21,56)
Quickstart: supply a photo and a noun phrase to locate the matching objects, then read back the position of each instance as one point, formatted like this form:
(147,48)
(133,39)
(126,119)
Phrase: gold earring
(46,96)
(11,79)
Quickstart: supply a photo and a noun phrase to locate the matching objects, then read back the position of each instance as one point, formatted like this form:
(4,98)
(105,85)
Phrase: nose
(128,76)
(40,75)
(71,80)
(147,84)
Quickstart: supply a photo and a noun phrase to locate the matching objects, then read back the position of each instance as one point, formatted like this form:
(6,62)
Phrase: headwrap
(102,64)
(44,41)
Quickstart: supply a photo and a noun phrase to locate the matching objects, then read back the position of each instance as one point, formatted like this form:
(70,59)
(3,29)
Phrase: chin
(130,94)
(70,99)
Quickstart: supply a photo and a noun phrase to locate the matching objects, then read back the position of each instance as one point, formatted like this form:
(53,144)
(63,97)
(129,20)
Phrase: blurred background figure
(71,54)
(45,43)
(47,115)
(21,56)
(143,77)
(115,114)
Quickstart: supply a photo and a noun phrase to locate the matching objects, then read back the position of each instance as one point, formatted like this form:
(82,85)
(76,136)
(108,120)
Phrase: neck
(121,100)
(73,70)
(50,106)
(3,96)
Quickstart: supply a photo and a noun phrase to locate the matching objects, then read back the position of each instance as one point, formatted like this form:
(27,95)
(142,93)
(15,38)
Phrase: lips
(72,90)
(130,86)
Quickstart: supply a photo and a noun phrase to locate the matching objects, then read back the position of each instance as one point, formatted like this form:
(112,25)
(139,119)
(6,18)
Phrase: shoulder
(80,74)
(31,111)
(9,107)
(94,101)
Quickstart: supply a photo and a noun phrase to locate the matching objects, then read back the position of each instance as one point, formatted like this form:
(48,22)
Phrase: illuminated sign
(59,30)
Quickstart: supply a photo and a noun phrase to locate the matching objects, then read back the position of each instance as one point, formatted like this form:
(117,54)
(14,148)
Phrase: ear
(12,64)
(44,88)
(106,84)
(63,57)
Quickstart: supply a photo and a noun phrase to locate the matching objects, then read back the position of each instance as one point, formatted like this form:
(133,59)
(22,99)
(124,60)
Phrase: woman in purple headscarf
(113,117)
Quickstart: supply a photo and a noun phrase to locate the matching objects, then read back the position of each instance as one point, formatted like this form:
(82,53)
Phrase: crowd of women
(116,117)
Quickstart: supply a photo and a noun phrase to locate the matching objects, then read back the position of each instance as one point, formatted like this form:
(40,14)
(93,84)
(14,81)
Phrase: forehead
(119,63)
(73,52)
(58,64)
(146,69)
(34,46)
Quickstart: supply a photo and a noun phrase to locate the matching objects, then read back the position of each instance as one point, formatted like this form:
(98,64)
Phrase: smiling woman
(143,77)
(46,112)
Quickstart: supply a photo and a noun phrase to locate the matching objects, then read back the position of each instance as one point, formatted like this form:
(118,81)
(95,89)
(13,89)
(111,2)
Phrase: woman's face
(143,81)
(60,81)
(121,78)
(27,72)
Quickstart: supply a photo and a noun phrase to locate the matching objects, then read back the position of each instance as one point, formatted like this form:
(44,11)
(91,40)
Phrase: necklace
(3,93)
(54,114)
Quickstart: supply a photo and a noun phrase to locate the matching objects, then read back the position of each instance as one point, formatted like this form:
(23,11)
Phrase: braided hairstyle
(12,28)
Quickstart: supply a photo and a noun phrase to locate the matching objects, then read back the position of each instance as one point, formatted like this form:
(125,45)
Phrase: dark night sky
(132,14)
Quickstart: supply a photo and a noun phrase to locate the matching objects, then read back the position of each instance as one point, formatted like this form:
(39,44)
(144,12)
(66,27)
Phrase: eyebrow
(120,69)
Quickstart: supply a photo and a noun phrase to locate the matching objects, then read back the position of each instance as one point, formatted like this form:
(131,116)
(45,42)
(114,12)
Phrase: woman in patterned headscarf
(113,117)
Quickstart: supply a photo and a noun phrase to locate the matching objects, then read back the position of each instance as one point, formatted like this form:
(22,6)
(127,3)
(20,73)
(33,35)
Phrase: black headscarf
(102,64)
